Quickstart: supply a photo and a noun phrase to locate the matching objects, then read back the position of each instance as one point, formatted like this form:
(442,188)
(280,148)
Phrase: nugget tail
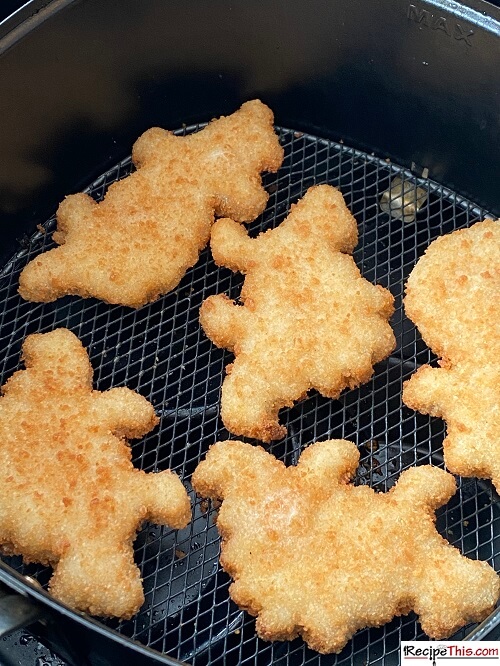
(46,278)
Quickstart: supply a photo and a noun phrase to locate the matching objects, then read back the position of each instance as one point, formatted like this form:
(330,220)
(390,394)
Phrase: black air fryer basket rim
(13,579)
(34,12)
(58,611)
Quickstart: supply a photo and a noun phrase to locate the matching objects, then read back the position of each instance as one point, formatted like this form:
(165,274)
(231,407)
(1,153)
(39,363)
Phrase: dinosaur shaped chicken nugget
(69,495)
(313,555)
(309,320)
(151,226)
(453,296)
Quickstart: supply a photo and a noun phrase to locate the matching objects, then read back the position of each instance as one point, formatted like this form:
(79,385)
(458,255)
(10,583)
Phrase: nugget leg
(99,579)
(424,391)
(126,414)
(231,246)
(223,321)
(324,464)
(429,487)
(74,213)
(250,408)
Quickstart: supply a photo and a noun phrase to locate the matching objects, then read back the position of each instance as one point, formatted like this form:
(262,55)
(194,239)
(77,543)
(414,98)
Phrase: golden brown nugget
(313,555)
(309,320)
(69,495)
(151,226)
(453,297)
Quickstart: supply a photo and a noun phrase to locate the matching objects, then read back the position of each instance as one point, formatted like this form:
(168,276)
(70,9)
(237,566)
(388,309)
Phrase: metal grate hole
(161,352)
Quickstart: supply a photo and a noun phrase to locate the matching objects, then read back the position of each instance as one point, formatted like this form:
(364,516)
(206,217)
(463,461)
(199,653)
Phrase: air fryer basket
(80,80)
(161,351)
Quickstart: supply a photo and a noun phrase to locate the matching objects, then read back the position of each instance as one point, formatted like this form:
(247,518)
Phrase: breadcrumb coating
(140,240)
(453,297)
(309,319)
(69,494)
(315,556)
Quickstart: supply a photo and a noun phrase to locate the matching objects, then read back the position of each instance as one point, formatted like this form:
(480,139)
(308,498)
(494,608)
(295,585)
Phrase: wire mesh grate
(161,352)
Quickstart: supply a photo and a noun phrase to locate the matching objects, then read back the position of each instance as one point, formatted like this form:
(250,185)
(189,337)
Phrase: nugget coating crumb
(140,240)
(309,320)
(313,555)
(453,297)
(69,494)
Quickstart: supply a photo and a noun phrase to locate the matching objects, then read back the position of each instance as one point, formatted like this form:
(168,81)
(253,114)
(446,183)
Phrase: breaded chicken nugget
(69,495)
(309,320)
(453,297)
(313,555)
(151,226)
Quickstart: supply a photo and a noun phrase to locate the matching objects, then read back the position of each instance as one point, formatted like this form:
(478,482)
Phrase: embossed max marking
(435,22)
